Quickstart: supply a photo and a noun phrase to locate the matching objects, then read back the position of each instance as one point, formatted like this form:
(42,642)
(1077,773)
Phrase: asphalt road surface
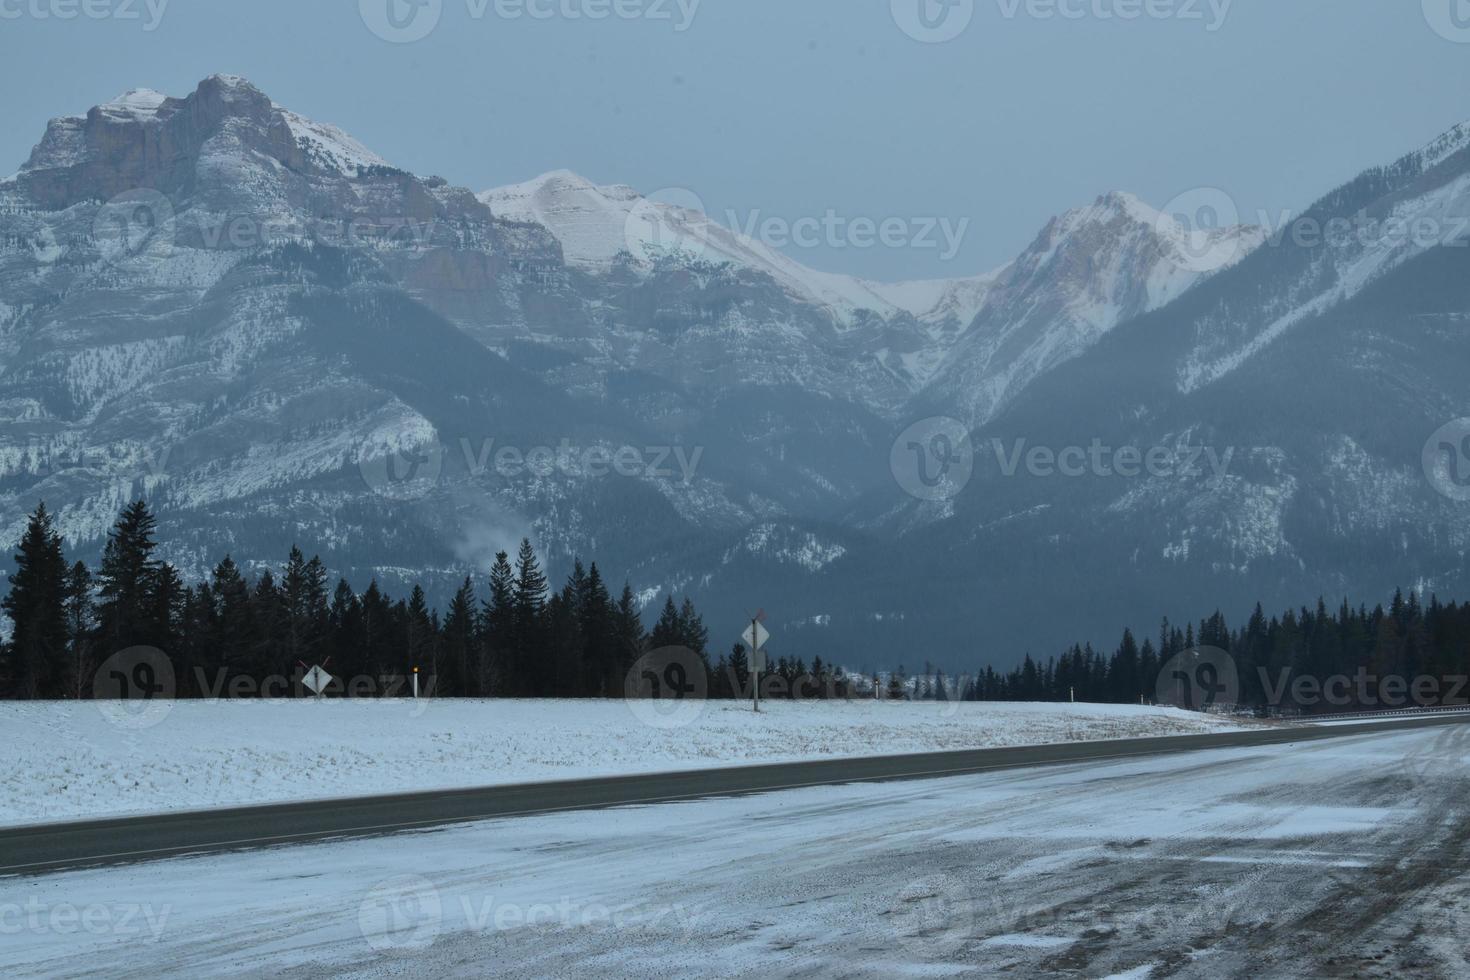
(54,847)
(1346,855)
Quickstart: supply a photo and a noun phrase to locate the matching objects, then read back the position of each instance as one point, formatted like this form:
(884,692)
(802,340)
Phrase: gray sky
(794,108)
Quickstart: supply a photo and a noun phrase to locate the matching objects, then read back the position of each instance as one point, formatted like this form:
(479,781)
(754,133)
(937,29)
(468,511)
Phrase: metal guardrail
(1383,713)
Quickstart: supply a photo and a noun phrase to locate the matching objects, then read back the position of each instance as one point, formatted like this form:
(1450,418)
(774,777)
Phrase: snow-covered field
(1344,857)
(81,761)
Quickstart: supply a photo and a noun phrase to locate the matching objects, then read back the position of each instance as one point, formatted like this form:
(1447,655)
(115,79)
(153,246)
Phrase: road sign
(316,680)
(758,661)
(755,636)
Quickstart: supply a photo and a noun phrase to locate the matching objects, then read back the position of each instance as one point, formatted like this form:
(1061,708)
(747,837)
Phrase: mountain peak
(108,137)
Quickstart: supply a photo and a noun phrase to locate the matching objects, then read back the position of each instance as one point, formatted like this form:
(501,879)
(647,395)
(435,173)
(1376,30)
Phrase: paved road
(67,846)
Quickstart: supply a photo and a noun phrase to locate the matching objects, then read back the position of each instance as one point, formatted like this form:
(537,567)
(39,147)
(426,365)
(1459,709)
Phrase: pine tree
(595,615)
(80,622)
(692,630)
(498,631)
(126,581)
(739,668)
(38,650)
(232,633)
(459,667)
(629,637)
(530,665)
(423,651)
(668,631)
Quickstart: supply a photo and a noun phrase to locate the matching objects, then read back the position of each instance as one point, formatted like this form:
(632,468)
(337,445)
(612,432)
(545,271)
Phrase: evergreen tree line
(1309,661)
(228,636)
(231,636)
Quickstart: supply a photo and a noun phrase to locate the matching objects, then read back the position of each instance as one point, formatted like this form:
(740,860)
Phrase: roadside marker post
(755,637)
(415,683)
(316,680)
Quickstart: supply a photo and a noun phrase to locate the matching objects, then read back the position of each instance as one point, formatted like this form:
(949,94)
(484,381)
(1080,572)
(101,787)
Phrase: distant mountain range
(279,337)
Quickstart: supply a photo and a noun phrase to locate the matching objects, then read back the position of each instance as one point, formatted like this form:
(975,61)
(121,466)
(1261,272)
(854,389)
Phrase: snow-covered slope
(1361,232)
(1089,270)
(250,386)
(600,226)
(204,753)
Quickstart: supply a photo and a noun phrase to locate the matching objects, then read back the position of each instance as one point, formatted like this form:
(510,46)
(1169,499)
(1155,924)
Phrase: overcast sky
(796,108)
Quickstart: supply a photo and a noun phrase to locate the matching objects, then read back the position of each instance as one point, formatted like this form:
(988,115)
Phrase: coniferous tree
(599,655)
(459,665)
(232,641)
(692,631)
(629,637)
(37,607)
(127,577)
(668,631)
(498,630)
(531,666)
(80,623)
(423,652)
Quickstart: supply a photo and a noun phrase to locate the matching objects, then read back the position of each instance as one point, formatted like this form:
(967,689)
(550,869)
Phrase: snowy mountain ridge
(257,390)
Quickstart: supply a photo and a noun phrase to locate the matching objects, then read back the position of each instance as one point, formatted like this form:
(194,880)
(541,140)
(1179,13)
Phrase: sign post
(316,681)
(755,637)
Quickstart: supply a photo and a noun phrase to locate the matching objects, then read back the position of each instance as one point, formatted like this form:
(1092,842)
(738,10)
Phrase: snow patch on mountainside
(1089,270)
(599,225)
(329,146)
(1350,267)
(134,105)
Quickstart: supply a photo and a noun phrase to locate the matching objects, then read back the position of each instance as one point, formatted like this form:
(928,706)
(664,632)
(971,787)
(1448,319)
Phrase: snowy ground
(86,761)
(1346,857)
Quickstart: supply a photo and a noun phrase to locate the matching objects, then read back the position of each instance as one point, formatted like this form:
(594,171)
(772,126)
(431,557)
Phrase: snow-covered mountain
(249,316)
(601,227)
(1088,271)
(981,339)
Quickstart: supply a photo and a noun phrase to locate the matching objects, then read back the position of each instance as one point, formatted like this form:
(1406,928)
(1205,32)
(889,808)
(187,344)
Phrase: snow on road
(1345,857)
(88,759)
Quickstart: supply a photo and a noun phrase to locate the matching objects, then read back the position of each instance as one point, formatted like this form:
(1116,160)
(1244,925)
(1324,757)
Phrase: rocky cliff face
(279,337)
